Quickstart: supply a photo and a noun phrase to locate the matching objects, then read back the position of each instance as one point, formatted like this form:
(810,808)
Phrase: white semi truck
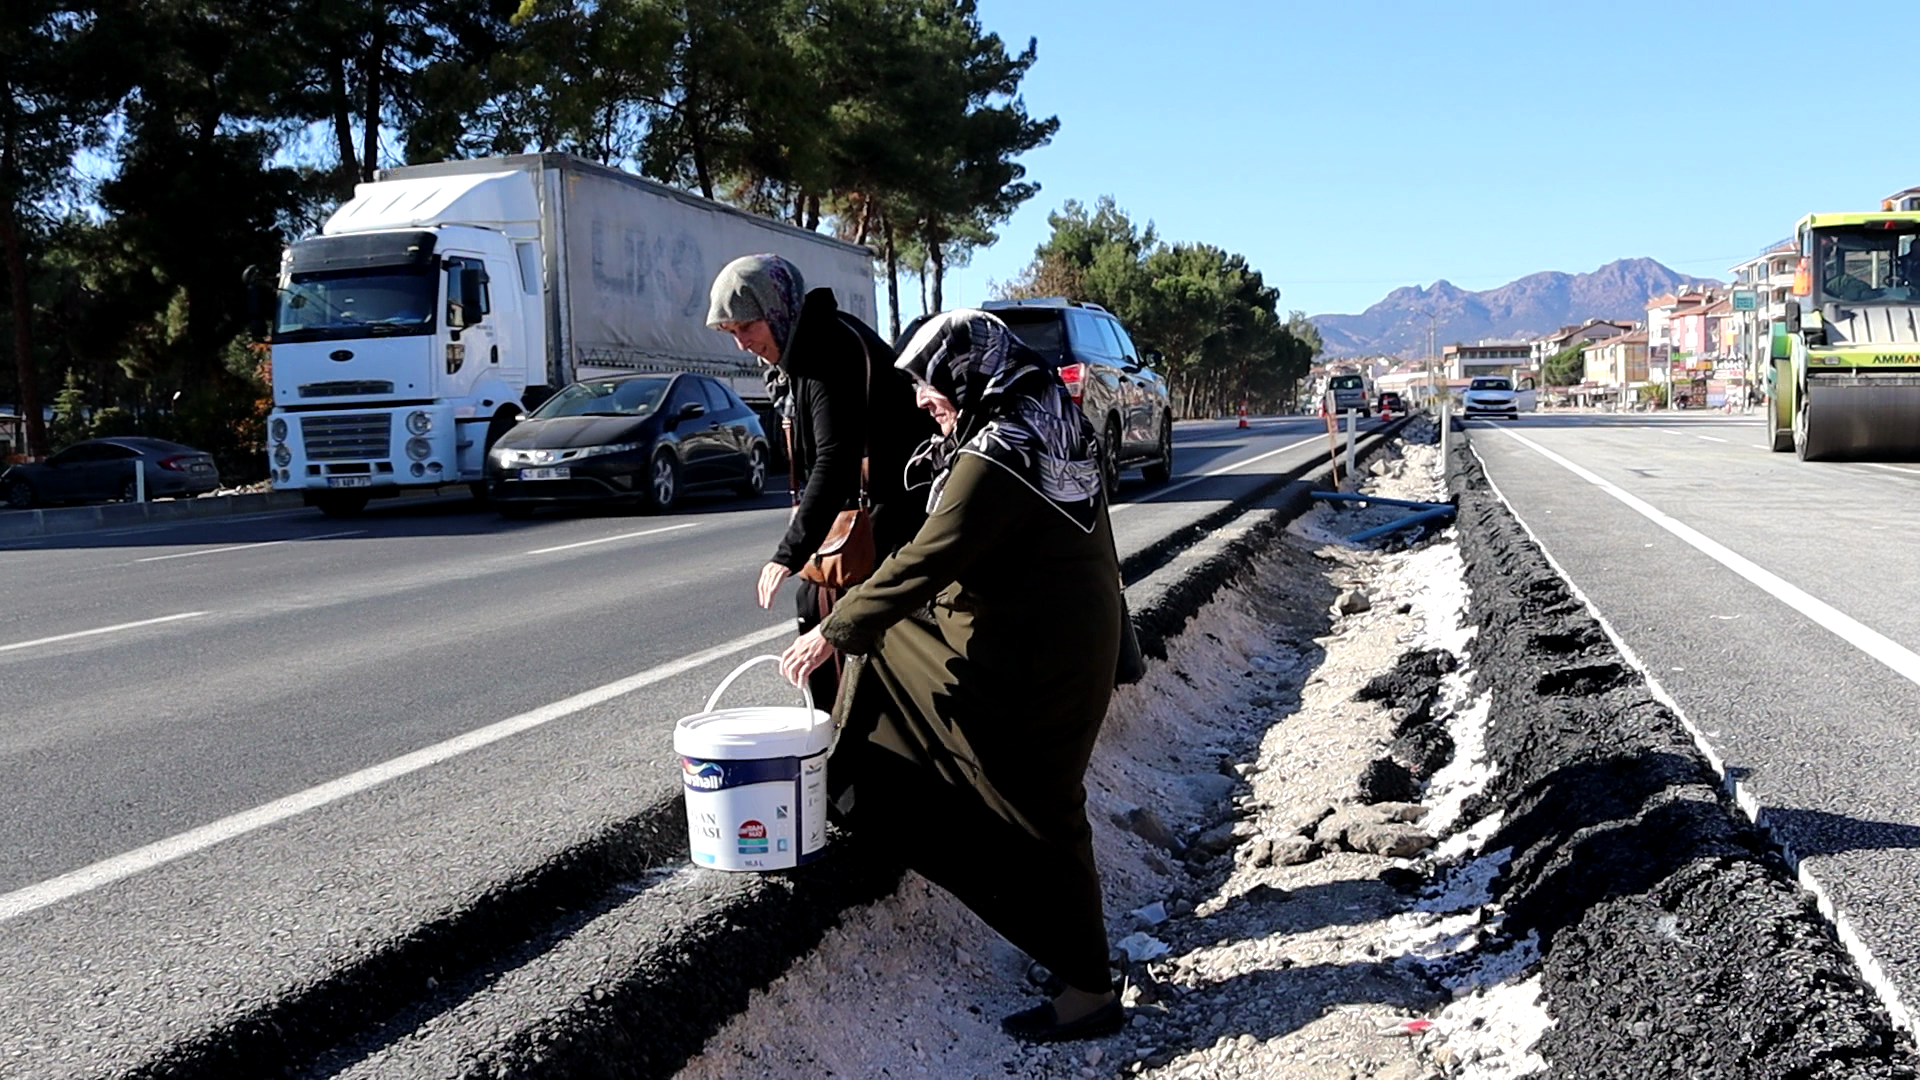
(443,300)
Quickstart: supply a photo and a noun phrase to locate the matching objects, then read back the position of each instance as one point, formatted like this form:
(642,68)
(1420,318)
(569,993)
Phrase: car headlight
(419,449)
(278,428)
(419,423)
(282,456)
(609,448)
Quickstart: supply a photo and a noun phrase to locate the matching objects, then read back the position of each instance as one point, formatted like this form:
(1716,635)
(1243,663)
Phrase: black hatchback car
(642,438)
(103,470)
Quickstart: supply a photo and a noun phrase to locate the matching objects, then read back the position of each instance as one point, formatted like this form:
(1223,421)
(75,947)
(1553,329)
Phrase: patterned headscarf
(1013,411)
(759,287)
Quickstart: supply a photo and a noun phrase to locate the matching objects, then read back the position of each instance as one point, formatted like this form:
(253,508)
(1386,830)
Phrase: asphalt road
(233,753)
(1776,602)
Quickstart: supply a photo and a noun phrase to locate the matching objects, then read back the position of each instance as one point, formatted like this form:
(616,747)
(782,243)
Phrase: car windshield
(357,303)
(606,397)
(1867,265)
(1491,384)
(1346,382)
(1041,331)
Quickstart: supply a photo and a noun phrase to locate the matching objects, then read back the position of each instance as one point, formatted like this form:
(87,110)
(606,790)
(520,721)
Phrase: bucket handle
(805,691)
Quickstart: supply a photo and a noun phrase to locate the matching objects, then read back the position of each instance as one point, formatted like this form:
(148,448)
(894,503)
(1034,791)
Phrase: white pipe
(139,479)
(1351,422)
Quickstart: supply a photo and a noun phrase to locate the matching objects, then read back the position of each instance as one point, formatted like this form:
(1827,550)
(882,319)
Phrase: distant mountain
(1534,305)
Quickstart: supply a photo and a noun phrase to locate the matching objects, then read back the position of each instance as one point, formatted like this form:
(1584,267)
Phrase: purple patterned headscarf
(759,287)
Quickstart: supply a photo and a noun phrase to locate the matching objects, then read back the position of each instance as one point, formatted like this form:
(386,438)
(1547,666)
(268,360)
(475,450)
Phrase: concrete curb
(691,946)
(63,520)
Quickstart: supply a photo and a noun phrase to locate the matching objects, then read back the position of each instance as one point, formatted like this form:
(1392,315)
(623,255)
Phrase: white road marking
(1163,492)
(249,547)
(1901,660)
(1890,468)
(106,871)
(1761,446)
(101,630)
(611,539)
(1709,438)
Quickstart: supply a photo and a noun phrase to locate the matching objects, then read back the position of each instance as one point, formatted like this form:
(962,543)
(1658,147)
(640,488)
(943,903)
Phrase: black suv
(1123,399)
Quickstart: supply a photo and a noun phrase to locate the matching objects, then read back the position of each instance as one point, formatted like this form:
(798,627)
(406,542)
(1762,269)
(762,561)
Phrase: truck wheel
(756,482)
(1162,469)
(663,482)
(338,505)
(1110,459)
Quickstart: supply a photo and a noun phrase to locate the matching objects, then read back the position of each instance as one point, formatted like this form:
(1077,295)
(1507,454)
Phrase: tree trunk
(22,310)
(937,257)
(813,211)
(343,119)
(893,276)
(376,91)
(865,232)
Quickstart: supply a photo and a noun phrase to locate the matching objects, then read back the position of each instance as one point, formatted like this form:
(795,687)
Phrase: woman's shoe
(1040,1024)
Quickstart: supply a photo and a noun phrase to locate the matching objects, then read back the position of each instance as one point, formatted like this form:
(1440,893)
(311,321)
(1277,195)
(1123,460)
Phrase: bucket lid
(748,732)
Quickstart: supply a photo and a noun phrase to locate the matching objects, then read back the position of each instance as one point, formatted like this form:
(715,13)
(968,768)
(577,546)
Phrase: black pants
(812,604)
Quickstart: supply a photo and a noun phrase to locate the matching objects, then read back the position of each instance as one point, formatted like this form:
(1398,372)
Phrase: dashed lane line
(107,871)
(249,547)
(611,539)
(101,630)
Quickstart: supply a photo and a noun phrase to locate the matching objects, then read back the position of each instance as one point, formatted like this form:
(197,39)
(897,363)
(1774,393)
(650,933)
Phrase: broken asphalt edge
(655,1011)
(1675,935)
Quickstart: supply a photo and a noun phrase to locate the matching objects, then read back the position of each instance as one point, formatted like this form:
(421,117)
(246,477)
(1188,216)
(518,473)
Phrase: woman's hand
(771,575)
(807,652)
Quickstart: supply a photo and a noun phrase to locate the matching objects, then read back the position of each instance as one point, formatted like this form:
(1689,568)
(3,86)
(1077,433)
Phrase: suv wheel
(1110,459)
(1162,469)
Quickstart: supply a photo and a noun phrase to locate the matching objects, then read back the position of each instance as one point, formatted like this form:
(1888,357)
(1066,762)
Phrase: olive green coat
(978,728)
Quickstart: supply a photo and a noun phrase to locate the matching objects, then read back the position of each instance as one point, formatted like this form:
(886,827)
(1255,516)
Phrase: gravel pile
(1368,822)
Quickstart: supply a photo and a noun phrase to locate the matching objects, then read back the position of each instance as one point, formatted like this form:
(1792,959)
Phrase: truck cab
(402,338)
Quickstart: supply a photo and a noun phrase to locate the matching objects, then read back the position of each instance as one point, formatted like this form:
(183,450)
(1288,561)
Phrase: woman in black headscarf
(843,409)
(977,729)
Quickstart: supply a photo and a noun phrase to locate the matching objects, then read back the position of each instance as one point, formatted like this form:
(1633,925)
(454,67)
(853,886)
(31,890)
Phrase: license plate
(349,481)
(203,468)
(555,472)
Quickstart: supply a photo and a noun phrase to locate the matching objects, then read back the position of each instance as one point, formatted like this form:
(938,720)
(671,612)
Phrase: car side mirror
(690,410)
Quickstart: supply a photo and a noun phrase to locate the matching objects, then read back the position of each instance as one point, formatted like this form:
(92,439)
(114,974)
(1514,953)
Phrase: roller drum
(1851,417)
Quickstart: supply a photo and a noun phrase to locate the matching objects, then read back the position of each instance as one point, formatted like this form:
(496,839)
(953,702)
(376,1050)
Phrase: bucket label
(753,838)
(700,774)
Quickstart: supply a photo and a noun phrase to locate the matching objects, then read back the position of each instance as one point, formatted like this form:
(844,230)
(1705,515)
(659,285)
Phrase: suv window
(1041,330)
(1346,382)
(1127,351)
(1090,343)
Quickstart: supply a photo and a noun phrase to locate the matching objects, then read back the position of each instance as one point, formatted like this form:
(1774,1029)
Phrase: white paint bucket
(756,781)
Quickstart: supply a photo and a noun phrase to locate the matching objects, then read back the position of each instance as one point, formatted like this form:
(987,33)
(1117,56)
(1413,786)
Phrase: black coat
(844,398)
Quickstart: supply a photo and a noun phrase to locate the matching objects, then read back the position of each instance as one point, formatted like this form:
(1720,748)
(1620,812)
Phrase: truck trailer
(1843,372)
(444,300)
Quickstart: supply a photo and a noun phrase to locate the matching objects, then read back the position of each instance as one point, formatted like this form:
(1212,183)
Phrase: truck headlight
(278,428)
(419,449)
(419,423)
(282,456)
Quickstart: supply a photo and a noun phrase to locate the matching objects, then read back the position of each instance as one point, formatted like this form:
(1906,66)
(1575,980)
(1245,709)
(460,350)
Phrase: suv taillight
(1074,375)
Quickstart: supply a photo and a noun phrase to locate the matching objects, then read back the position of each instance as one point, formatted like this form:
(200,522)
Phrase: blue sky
(1350,148)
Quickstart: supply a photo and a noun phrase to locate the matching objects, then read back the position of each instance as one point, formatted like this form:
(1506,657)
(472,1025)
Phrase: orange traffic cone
(1243,414)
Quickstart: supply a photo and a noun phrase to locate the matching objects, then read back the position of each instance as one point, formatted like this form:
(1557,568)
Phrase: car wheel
(341,505)
(1110,459)
(663,482)
(129,491)
(756,482)
(1162,470)
(20,495)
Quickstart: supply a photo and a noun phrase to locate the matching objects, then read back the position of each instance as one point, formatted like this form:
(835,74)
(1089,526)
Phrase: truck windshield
(357,303)
(606,397)
(1870,265)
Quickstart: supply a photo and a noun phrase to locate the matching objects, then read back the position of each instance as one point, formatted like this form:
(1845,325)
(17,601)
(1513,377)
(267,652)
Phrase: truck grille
(357,436)
(366,388)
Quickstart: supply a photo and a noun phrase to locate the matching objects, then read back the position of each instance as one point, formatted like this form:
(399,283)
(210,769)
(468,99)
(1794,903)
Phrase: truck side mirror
(259,302)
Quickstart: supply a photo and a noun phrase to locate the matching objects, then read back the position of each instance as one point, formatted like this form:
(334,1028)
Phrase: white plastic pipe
(1351,423)
(140,480)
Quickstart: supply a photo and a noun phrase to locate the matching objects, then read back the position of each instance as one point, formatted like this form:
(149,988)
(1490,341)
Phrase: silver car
(1492,395)
(1125,400)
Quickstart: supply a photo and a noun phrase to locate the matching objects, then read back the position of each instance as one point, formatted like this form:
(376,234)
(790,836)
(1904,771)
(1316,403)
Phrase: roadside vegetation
(1216,322)
(150,153)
